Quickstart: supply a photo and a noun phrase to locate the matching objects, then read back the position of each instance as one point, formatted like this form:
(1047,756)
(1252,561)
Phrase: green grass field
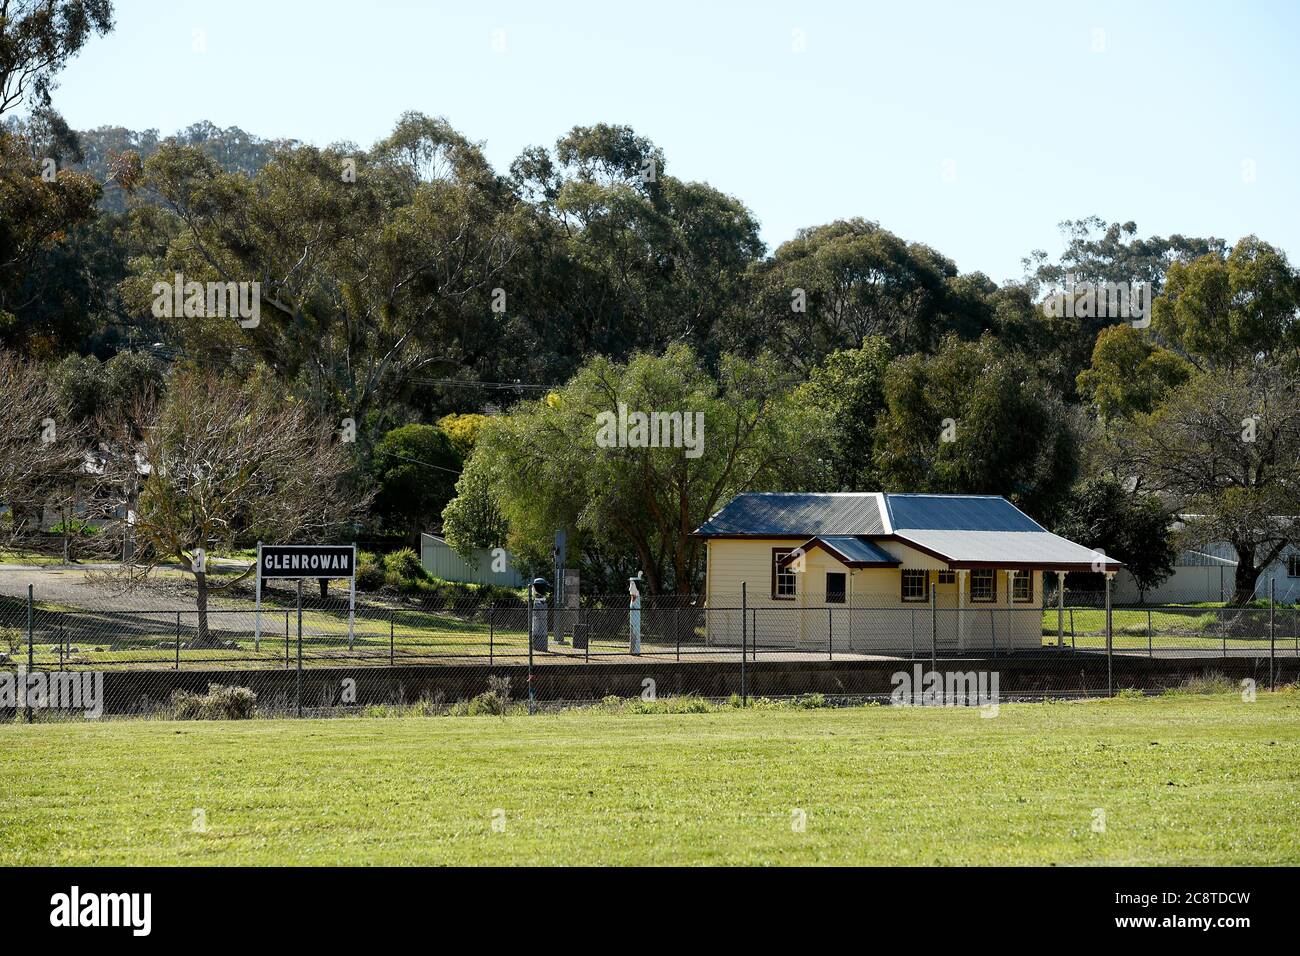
(1181,779)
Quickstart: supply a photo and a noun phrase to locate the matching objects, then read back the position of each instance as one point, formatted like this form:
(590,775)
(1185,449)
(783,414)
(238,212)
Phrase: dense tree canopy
(1133,528)
(436,312)
(572,461)
(975,418)
(415,471)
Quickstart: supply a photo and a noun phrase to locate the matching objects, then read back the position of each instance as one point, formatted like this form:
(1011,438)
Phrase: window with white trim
(983,585)
(1022,587)
(1293,565)
(914,583)
(783,576)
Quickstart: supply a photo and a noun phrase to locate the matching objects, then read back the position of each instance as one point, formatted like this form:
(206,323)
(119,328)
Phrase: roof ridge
(820,494)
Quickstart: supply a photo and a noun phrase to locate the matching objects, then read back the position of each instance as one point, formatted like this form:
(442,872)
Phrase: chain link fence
(320,655)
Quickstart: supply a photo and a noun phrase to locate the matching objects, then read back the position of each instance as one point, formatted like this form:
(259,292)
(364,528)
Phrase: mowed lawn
(1180,780)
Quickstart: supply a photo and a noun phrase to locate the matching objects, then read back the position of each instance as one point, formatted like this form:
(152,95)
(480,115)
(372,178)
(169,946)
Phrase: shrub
(219,703)
(75,528)
(1212,683)
(405,564)
(670,705)
(810,701)
(495,700)
(370,573)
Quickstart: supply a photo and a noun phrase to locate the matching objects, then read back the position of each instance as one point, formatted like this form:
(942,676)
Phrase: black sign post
(298,561)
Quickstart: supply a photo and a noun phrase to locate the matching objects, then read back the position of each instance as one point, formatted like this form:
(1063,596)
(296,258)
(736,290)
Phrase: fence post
(31,648)
(392,615)
(1060,612)
(528,630)
(178,640)
(299,680)
(1150,652)
(934,624)
(492,633)
(744,647)
(286,640)
(830,634)
(1272,635)
(1110,676)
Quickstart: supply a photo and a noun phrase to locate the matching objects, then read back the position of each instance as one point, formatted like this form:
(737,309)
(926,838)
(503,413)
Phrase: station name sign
(307,561)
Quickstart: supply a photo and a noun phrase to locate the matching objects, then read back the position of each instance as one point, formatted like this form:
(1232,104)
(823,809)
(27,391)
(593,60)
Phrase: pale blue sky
(974,127)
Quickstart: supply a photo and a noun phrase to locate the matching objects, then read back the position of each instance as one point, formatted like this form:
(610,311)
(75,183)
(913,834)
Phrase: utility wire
(416,461)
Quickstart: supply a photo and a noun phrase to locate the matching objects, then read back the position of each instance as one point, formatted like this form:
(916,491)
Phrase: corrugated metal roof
(858,550)
(1199,559)
(790,514)
(957,513)
(1012,547)
(961,529)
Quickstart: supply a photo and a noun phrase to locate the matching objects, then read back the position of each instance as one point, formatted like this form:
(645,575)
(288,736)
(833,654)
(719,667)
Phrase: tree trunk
(324,588)
(1246,578)
(202,637)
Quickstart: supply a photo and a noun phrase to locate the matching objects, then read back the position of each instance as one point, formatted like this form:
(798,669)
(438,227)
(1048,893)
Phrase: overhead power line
(416,461)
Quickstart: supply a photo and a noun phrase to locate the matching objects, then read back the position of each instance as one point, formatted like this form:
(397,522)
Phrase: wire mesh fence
(324,655)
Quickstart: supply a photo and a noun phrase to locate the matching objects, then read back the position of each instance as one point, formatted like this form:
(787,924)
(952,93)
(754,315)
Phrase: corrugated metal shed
(1199,559)
(437,557)
(796,514)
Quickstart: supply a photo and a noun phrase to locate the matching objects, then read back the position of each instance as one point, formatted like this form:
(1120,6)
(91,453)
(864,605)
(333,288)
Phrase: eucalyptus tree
(834,285)
(623,255)
(372,269)
(37,39)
